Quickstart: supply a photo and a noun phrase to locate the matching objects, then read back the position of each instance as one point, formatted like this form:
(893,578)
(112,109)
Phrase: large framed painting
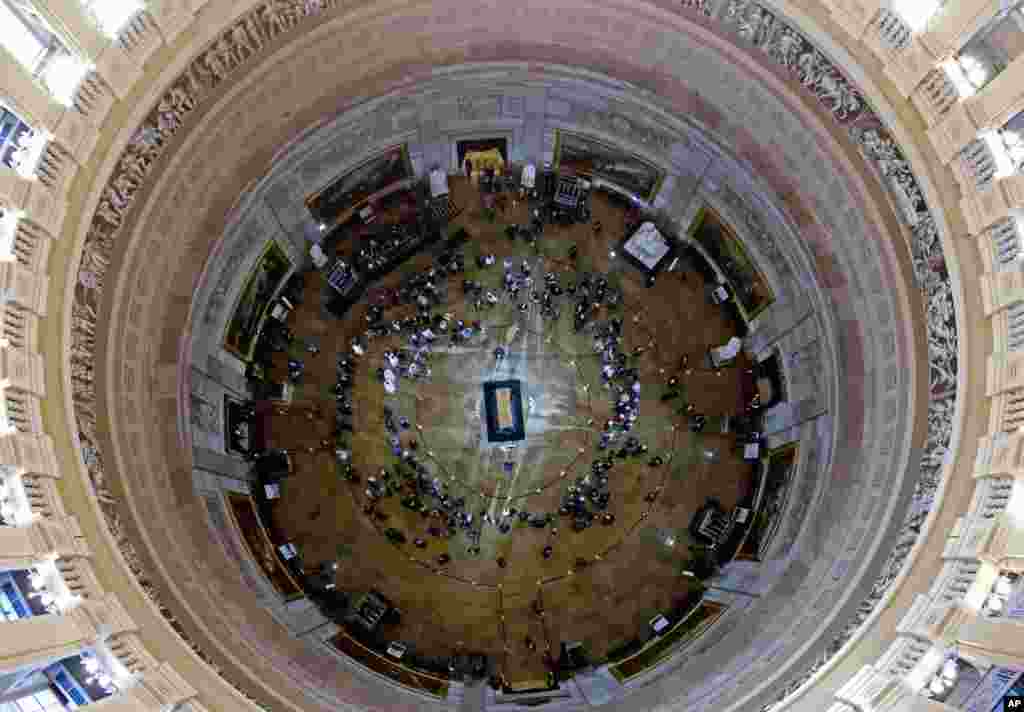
(583,155)
(719,240)
(773,494)
(333,202)
(243,512)
(483,153)
(243,329)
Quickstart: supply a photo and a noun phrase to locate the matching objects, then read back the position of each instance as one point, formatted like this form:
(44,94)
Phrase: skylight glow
(18,40)
(113,15)
(62,75)
(916,13)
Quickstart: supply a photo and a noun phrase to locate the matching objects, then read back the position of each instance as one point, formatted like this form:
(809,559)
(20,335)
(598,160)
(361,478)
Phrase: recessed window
(988,52)
(11,606)
(967,73)
(917,13)
(27,36)
(18,38)
(44,701)
(112,15)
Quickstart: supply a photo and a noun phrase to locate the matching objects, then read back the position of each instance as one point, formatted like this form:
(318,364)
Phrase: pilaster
(908,67)
(43,540)
(39,203)
(33,643)
(953,132)
(1004,547)
(868,688)
(22,369)
(987,206)
(1001,456)
(942,623)
(173,16)
(1005,372)
(854,16)
(30,453)
(24,288)
(1001,289)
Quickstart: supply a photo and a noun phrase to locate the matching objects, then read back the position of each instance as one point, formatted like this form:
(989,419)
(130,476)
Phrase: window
(69,687)
(1007,146)
(27,36)
(44,701)
(17,38)
(12,605)
(988,52)
(1004,681)
(14,133)
(967,73)
(62,75)
(112,15)
(917,13)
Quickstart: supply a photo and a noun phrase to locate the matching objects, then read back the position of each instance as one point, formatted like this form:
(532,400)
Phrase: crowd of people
(415,479)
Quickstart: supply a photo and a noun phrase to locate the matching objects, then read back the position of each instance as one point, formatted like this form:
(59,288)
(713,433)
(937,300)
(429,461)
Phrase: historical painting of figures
(582,155)
(244,514)
(359,183)
(753,295)
(243,329)
(483,153)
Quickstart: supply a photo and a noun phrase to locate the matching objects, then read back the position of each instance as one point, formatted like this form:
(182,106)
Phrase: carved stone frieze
(701,6)
(751,22)
(822,77)
(819,75)
(238,44)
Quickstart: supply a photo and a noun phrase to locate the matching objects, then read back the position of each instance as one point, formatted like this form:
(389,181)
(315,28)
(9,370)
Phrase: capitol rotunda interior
(564,356)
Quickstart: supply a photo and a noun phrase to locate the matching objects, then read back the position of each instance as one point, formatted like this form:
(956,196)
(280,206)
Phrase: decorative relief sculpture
(701,6)
(238,44)
(824,79)
(751,21)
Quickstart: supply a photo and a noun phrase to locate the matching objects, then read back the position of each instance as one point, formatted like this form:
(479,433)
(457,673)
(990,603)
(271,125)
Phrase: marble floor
(472,604)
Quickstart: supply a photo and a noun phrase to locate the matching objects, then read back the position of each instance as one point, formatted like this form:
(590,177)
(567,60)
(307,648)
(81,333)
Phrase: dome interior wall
(168,335)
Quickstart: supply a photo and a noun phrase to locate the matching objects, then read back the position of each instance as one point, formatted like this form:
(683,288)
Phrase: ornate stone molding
(235,46)
(760,26)
(750,21)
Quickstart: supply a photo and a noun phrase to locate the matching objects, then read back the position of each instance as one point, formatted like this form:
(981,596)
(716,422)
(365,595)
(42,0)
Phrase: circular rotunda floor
(480,503)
